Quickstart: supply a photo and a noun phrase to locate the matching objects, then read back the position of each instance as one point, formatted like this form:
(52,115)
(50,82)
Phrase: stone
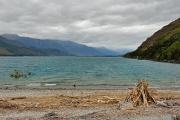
(51,115)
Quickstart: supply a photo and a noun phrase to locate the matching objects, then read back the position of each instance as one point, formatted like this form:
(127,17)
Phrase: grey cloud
(110,23)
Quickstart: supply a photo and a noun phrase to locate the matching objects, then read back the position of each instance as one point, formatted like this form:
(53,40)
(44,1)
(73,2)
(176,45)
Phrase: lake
(87,72)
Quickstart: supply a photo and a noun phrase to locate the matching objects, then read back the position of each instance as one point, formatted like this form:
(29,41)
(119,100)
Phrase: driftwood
(140,95)
(163,104)
(4,104)
(16,98)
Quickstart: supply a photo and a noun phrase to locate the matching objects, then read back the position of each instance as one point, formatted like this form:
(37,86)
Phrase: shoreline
(81,88)
(160,61)
(81,104)
(56,86)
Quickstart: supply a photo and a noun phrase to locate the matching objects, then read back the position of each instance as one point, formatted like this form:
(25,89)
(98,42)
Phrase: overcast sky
(108,23)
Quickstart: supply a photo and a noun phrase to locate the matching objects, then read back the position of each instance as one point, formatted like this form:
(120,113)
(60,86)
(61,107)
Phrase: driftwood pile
(140,95)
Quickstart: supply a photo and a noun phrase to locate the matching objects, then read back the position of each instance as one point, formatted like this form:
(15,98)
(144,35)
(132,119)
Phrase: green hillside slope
(164,45)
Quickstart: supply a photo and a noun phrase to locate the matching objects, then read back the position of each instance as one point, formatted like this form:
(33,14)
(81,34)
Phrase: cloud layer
(108,23)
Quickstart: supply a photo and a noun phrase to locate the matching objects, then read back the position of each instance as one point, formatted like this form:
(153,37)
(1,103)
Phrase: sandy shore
(26,104)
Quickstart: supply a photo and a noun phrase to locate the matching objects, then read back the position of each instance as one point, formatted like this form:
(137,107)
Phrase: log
(15,98)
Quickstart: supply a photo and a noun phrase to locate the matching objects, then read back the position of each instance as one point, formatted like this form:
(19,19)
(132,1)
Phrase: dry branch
(140,95)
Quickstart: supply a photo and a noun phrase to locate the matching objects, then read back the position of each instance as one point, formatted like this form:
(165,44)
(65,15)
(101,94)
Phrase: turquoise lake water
(88,72)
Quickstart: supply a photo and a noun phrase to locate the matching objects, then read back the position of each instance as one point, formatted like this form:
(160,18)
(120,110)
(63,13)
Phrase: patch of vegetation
(164,45)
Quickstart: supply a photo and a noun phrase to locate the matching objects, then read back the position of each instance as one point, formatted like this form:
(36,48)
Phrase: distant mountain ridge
(47,47)
(9,48)
(163,45)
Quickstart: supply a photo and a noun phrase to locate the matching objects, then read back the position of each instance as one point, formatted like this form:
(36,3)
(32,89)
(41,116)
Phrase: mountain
(10,48)
(108,52)
(116,52)
(59,46)
(163,45)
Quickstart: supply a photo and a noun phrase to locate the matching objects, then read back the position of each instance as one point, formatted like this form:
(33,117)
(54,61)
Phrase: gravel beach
(37,104)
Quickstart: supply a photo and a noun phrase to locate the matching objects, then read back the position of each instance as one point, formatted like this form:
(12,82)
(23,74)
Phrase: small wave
(50,84)
(8,85)
(34,85)
(107,85)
